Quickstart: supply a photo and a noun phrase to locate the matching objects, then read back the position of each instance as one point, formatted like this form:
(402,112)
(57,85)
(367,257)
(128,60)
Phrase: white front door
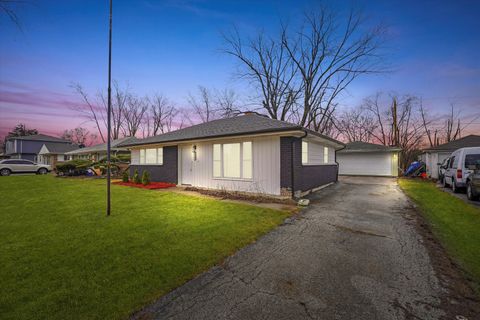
(187,165)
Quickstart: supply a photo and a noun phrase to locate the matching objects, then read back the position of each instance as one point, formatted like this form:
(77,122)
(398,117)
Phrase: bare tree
(329,55)
(301,75)
(119,104)
(134,114)
(89,110)
(203,105)
(265,63)
(163,114)
(7,7)
(227,103)
(452,126)
(356,125)
(398,123)
(77,135)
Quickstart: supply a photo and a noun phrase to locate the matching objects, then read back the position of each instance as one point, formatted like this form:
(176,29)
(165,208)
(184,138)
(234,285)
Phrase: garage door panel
(371,164)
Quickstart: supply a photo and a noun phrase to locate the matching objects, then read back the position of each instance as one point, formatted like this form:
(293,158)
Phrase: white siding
(266,167)
(135,157)
(369,164)
(431,162)
(315,154)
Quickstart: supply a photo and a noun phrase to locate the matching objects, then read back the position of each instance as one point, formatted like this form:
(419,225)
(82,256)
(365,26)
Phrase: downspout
(292,165)
(338,165)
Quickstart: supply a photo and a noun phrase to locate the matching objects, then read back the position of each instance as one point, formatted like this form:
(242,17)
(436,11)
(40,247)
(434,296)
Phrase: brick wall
(168,172)
(304,177)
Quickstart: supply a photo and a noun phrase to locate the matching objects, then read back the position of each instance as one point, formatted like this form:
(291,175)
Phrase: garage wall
(367,164)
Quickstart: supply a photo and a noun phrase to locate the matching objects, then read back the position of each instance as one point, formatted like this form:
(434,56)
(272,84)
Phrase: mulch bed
(233,195)
(151,186)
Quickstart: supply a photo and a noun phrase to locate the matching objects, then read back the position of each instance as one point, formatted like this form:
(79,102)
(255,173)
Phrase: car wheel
(42,171)
(454,187)
(470,194)
(5,172)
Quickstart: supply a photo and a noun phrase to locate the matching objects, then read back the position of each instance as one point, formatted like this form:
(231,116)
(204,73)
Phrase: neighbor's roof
(39,137)
(359,146)
(465,142)
(115,145)
(251,123)
(59,148)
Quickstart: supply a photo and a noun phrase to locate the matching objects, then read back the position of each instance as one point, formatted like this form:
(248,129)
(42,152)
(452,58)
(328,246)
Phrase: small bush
(145,178)
(125,176)
(73,167)
(136,177)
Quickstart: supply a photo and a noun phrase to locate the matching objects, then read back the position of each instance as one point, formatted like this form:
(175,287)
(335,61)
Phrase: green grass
(454,222)
(62,258)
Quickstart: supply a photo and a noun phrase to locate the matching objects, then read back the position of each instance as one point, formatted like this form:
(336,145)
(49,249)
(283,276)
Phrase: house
(435,155)
(368,159)
(99,151)
(53,153)
(248,153)
(28,147)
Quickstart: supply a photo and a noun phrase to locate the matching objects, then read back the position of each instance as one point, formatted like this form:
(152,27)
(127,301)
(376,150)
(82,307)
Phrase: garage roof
(465,142)
(359,146)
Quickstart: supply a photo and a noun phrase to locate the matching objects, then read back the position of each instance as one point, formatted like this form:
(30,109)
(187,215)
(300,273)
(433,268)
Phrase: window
(151,156)
(472,160)
(233,160)
(452,160)
(304,152)
(325,154)
(247,160)
(217,160)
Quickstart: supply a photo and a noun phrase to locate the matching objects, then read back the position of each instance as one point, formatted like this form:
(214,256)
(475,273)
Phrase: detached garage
(368,159)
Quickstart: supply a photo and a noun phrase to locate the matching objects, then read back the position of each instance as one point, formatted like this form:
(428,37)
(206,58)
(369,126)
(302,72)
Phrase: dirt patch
(150,186)
(461,298)
(233,195)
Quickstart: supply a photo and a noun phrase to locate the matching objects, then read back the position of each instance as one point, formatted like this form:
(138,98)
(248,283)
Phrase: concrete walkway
(351,255)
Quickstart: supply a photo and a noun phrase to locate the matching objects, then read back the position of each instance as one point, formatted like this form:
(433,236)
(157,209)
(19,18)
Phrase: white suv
(457,170)
(10,166)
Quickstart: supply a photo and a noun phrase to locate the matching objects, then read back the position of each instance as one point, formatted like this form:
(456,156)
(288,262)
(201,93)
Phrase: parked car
(458,170)
(442,167)
(10,166)
(473,182)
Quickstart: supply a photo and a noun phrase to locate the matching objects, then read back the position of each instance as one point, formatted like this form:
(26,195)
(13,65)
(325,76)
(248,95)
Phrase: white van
(457,170)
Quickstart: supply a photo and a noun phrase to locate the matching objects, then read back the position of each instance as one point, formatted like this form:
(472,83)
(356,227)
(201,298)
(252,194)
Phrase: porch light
(194,152)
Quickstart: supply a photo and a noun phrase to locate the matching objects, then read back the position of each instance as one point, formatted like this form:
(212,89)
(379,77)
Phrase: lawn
(454,222)
(62,258)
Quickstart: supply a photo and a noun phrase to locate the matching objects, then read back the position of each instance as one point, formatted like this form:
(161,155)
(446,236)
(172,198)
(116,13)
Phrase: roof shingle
(465,142)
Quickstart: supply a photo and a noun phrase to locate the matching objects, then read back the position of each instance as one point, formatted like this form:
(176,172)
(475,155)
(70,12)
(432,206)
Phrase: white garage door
(368,164)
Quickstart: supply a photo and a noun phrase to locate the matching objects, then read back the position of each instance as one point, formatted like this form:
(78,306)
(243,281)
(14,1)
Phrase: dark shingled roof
(250,123)
(60,148)
(465,142)
(39,137)
(359,146)
(102,147)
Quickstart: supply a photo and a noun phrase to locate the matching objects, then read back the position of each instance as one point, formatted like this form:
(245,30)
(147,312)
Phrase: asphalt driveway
(352,254)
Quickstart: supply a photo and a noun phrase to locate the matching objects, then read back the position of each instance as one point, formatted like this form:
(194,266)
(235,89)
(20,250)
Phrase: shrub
(125,176)
(145,178)
(73,167)
(136,177)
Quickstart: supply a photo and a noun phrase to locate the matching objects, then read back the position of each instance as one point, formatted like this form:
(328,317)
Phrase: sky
(172,47)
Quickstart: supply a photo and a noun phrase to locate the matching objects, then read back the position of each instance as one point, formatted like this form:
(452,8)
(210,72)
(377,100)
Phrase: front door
(187,165)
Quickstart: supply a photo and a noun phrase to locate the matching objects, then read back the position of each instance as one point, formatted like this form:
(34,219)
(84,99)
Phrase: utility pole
(395,124)
(109,110)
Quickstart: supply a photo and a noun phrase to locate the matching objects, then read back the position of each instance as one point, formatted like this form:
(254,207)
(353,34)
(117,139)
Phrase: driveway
(352,254)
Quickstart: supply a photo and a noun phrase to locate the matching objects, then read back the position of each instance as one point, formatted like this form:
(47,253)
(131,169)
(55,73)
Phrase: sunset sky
(171,47)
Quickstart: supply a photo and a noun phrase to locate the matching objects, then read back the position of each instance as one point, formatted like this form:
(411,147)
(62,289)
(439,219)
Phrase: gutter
(338,164)
(292,162)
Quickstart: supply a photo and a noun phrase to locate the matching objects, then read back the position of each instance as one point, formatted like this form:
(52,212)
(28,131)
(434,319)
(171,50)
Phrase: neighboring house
(435,155)
(53,153)
(249,153)
(99,151)
(368,159)
(28,147)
